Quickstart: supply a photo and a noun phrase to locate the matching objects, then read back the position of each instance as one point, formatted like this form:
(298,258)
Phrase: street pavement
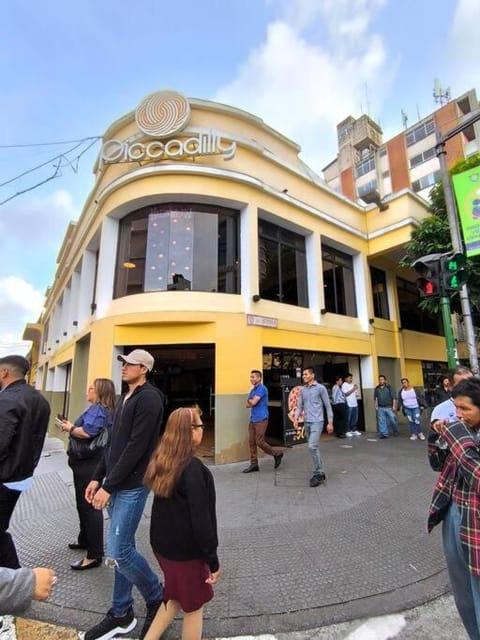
(297,562)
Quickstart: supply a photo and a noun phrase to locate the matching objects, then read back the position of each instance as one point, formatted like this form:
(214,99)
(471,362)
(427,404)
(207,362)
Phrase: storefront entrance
(186,375)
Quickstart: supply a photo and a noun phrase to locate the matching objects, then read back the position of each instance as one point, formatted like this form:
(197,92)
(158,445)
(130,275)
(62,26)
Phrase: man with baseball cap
(24,415)
(118,485)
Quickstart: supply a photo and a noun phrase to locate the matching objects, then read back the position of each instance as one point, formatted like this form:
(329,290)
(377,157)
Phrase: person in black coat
(183,528)
(24,415)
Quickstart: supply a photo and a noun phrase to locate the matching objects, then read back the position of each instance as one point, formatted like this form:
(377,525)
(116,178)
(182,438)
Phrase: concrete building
(207,241)
(369,168)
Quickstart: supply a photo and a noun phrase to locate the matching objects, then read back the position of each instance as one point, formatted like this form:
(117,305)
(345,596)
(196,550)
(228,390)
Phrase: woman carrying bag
(88,435)
(183,529)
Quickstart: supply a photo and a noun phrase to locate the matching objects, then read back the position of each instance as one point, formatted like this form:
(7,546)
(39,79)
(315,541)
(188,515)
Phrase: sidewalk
(292,557)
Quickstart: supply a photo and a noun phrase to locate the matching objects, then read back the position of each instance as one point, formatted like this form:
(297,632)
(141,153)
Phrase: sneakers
(151,613)
(357,432)
(316,480)
(349,434)
(414,437)
(251,468)
(277,460)
(111,626)
(421,436)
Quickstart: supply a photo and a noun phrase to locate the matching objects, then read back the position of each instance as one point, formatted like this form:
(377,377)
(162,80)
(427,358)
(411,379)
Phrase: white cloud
(464,46)
(31,232)
(303,82)
(21,303)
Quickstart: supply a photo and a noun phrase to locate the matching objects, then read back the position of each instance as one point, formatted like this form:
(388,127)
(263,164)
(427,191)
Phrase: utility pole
(455,233)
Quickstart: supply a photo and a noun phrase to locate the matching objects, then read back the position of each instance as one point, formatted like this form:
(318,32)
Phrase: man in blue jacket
(118,485)
(24,415)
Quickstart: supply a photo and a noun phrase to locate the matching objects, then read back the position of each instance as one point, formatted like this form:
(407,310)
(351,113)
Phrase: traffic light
(454,274)
(427,269)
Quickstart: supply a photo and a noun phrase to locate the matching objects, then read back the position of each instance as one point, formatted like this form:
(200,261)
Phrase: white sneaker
(413,437)
(349,434)
(421,436)
(357,432)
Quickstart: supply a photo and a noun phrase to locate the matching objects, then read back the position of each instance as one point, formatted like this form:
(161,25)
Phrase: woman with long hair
(183,529)
(83,461)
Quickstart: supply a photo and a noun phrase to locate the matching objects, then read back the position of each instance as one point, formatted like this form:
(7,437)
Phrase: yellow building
(207,241)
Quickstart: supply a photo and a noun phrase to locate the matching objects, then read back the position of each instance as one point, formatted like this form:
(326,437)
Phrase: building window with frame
(338,282)
(178,247)
(379,293)
(282,265)
(425,181)
(365,166)
(420,132)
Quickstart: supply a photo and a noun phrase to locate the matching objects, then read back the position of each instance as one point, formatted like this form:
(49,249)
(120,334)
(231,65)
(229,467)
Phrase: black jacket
(134,435)
(24,415)
(184,526)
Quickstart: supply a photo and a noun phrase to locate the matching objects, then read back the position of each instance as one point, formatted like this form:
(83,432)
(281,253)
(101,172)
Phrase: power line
(47,144)
(61,160)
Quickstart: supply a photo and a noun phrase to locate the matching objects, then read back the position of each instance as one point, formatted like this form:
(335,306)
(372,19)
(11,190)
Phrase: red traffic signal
(427,269)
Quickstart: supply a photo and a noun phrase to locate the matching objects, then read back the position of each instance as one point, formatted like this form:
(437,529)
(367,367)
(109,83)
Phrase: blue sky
(70,69)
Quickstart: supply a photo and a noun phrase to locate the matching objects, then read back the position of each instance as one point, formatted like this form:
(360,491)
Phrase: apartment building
(369,168)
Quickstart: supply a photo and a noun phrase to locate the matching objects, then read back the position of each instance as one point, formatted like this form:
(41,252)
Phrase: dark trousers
(8,553)
(91,520)
(256,438)
(340,418)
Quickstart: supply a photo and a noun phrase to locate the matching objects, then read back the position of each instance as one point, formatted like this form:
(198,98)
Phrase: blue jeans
(413,417)
(465,586)
(125,510)
(313,431)
(352,418)
(386,415)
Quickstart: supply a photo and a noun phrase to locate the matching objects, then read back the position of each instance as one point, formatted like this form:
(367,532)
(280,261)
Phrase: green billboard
(467,192)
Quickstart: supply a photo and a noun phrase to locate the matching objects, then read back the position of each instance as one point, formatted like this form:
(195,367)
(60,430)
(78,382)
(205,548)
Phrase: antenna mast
(440,96)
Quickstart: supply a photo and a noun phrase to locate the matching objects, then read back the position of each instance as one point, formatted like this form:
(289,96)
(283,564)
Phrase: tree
(433,236)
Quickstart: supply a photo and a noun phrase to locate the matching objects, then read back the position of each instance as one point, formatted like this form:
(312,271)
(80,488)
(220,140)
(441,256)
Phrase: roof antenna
(440,96)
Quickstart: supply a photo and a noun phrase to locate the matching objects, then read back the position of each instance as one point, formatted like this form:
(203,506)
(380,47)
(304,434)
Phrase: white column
(85,291)
(106,265)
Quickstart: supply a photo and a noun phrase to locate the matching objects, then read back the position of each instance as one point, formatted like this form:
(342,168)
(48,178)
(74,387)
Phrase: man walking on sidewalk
(312,401)
(24,415)
(257,402)
(118,485)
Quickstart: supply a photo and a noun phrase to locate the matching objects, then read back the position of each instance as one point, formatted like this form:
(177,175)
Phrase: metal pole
(457,245)
(452,359)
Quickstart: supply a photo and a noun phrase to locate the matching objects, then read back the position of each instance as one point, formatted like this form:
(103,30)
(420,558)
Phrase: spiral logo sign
(162,114)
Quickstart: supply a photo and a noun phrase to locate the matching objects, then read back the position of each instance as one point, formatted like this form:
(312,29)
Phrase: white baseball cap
(138,356)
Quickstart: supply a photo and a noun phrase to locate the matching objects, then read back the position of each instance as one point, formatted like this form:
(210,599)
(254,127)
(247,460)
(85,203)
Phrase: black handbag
(84,448)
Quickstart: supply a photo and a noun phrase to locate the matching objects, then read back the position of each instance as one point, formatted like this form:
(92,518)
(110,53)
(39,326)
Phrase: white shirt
(352,397)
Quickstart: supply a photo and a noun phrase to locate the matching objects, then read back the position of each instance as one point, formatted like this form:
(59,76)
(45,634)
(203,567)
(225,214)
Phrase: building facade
(207,241)
(368,168)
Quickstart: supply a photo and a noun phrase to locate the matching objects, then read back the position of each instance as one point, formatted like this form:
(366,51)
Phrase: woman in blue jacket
(83,462)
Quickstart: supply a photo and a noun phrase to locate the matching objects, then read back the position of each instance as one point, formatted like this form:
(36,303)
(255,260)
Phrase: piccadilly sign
(204,144)
(162,115)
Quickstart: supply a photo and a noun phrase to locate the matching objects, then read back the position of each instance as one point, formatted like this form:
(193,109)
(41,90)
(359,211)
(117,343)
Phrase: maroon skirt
(185,582)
